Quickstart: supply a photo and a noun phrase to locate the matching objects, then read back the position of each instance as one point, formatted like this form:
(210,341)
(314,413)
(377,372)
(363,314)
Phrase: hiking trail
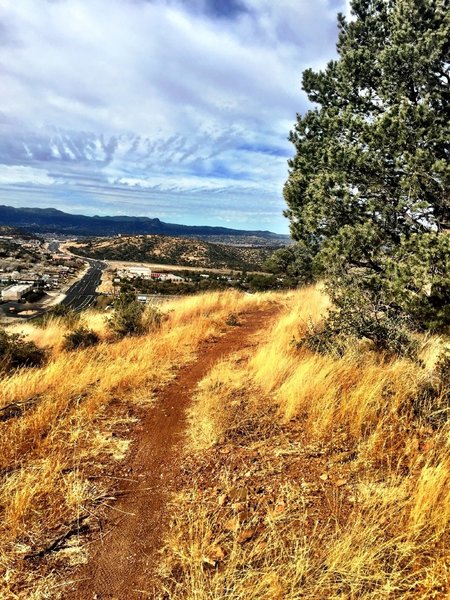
(123,561)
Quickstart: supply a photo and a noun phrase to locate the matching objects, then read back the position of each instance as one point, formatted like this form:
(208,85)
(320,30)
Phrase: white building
(132,272)
(15,292)
(167,277)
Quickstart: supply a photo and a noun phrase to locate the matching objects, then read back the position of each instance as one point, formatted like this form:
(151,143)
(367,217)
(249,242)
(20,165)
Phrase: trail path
(122,564)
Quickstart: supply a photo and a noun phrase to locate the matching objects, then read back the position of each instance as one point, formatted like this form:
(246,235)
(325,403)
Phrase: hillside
(295,474)
(11,249)
(51,220)
(173,250)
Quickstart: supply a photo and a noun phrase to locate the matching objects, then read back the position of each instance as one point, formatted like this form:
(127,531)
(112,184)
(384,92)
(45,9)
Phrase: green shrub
(82,337)
(127,317)
(386,331)
(16,352)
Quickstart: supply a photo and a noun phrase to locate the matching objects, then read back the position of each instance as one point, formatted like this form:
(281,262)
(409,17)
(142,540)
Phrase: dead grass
(63,424)
(310,477)
(306,476)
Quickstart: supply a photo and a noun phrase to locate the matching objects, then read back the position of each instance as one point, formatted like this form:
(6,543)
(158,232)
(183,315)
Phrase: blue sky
(177,109)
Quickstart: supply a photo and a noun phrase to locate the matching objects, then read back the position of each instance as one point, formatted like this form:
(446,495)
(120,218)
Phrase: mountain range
(51,220)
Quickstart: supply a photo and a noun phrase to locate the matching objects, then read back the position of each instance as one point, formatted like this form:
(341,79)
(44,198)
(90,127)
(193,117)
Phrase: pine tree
(368,188)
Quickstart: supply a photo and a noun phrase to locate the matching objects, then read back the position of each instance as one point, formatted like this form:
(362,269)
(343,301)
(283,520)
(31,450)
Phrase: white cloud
(16,174)
(194,89)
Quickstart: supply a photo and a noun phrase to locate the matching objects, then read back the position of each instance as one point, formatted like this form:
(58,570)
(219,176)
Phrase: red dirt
(122,563)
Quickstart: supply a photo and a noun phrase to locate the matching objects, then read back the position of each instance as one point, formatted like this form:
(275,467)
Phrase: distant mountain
(51,220)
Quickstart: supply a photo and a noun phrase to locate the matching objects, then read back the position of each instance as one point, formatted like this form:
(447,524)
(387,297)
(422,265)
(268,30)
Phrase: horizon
(78,214)
(157,107)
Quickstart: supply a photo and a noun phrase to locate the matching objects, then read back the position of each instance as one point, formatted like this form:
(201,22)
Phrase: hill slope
(298,474)
(174,251)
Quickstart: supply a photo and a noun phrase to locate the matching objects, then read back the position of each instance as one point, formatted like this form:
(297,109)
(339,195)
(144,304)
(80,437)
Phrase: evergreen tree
(368,188)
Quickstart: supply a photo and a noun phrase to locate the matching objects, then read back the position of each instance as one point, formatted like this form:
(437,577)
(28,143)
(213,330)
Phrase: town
(37,274)
(34,273)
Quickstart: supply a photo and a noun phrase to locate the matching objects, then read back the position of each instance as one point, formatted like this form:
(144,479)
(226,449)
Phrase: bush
(386,331)
(16,352)
(152,318)
(128,317)
(61,311)
(82,337)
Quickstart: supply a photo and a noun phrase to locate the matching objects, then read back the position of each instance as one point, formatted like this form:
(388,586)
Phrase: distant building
(174,278)
(167,277)
(15,292)
(132,272)
(61,257)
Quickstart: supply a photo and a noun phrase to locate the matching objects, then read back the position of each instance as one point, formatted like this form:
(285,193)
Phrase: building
(167,277)
(12,293)
(143,272)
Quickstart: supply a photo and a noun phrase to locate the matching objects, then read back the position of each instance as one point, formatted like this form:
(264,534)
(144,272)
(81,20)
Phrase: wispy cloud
(156,97)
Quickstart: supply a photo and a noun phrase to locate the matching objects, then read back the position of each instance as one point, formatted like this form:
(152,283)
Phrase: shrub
(61,311)
(127,318)
(82,337)
(386,332)
(152,318)
(16,352)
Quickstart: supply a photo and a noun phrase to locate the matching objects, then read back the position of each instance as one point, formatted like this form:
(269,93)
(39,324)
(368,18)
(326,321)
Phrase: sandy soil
(119,264)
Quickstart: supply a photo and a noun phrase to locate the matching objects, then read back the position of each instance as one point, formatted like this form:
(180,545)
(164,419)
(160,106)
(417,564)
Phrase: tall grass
(316,476)
(64,423)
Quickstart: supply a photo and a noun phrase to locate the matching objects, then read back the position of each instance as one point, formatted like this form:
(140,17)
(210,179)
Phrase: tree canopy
(368,187)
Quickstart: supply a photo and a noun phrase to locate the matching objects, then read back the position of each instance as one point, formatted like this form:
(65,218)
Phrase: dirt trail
(122,563)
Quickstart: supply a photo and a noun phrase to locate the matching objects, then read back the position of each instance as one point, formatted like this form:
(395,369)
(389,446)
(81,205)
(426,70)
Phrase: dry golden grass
(312,477)
(65,422)
(306,477)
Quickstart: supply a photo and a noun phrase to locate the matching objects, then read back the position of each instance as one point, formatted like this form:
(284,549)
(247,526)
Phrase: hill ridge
(52,220)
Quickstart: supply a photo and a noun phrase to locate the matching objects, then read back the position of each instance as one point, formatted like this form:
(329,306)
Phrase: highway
(82,293)
(79,296)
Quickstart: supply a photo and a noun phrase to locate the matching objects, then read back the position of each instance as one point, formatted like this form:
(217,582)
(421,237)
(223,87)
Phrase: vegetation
(15,352)
(295,264)
(316,457)
(321,474)
(65,425)
(368,187)
(127,318)
(82,337)
(195,283)
(173,250)
(314,476)
(60,311)
(12,250)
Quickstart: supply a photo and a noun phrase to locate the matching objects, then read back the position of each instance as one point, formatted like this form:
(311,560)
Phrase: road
(82,293)
(79,296)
